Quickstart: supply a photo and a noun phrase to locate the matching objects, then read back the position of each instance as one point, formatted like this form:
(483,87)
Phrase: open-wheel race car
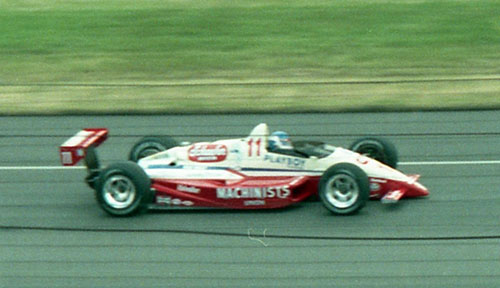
(261,171)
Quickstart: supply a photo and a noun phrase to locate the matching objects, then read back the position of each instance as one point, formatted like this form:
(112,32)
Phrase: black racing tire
(150,145)
(379,149)
(123,189)
(344,189)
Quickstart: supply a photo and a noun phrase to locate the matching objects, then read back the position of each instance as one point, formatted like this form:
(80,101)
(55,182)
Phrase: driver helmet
(279,140)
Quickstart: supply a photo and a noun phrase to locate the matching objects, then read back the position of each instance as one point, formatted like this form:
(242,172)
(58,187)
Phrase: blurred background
(152,56)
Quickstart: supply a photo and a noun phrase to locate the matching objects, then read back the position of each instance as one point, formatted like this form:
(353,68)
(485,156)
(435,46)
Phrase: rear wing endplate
(74,149)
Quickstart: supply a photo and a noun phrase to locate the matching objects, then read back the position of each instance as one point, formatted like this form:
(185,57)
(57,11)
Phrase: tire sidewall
(141,183)
(151,142)
(383,146)
(355,173)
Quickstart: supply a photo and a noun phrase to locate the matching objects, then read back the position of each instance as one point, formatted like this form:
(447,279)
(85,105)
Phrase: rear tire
(151,145)
(344,189)
(123,189)
(379,149)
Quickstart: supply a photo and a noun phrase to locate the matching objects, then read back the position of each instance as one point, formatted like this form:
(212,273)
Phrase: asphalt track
(52,234)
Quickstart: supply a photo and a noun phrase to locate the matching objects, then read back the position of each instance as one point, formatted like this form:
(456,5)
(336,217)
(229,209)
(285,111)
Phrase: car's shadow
(201,210)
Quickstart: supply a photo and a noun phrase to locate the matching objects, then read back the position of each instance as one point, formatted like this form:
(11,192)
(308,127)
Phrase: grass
(126,42)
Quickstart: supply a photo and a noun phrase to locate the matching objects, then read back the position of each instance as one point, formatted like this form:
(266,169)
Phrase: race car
(260,171)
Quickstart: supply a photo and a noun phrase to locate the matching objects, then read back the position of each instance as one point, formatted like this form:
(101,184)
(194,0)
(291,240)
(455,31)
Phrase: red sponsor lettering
(207,153)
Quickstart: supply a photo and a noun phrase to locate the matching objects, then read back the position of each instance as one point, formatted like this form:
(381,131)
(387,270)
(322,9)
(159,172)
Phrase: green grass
(169,42)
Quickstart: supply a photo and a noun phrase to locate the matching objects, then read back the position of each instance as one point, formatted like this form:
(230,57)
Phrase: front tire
(377,148)
(123,189)
(151,145)
(344,189)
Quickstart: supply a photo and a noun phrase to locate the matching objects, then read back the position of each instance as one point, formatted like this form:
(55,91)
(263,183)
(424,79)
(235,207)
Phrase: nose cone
(417,190)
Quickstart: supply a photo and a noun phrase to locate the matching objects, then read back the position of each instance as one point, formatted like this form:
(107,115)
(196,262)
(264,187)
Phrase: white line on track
(436,163)
(40,168)
(417,163)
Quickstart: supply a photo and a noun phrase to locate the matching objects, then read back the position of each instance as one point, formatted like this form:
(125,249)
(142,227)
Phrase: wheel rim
(342,191)
(119,192)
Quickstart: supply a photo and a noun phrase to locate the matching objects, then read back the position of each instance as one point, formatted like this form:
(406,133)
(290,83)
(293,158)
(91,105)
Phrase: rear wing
(75,148)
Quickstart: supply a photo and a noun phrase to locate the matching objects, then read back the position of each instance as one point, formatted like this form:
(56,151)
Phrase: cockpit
(279,142)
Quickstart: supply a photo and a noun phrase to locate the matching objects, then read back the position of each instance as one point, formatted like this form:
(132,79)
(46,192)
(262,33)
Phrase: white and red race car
(241,173)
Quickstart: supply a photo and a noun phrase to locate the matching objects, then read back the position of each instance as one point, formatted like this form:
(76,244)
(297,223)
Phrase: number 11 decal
(251,143)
